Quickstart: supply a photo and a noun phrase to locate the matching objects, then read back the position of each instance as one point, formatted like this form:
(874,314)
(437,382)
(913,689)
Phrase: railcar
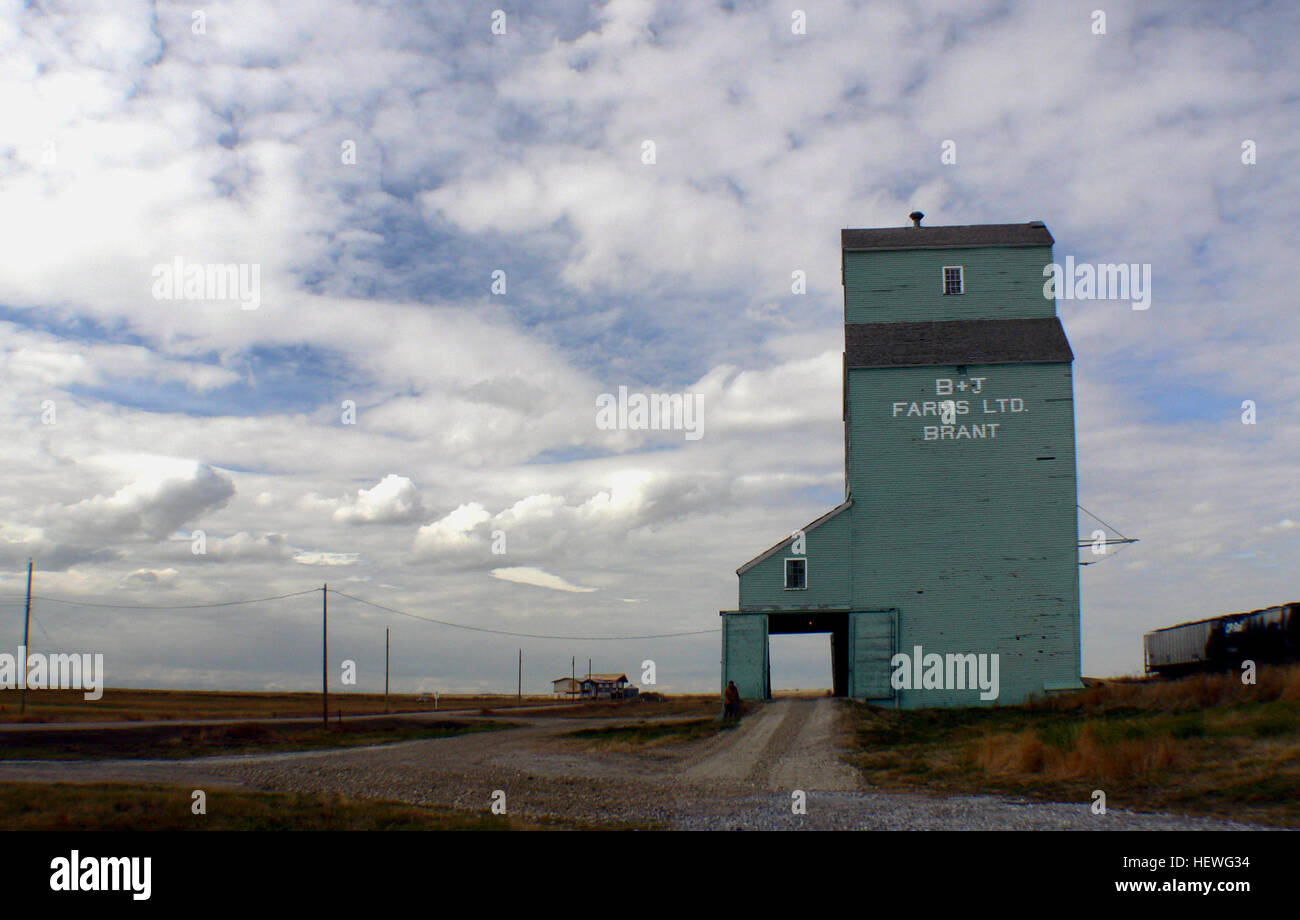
(1267,636)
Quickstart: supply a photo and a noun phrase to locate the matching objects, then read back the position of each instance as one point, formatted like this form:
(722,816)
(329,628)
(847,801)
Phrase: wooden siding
(829,553)
(907,286)
(973,541)
(745,654)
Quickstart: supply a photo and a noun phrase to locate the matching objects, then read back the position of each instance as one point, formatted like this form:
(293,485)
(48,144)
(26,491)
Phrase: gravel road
(744,778)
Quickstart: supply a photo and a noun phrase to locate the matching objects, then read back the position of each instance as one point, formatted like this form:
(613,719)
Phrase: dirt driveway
(746,778)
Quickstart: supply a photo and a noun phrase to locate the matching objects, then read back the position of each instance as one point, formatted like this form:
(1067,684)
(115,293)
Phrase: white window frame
(785,572)
(961,280)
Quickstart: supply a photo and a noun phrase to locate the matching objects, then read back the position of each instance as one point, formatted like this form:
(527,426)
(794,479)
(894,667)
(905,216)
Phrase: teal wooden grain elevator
(949,575)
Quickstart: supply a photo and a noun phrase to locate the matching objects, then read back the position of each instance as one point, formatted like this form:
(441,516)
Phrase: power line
(504,632)
(361,600)
(41,628)
(254,600)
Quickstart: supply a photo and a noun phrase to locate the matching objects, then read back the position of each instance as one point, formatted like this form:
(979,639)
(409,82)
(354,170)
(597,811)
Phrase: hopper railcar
(1267,636)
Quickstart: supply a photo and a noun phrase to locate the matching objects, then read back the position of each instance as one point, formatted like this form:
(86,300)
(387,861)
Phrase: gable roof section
(1033,233)
(963,341)
(788,540)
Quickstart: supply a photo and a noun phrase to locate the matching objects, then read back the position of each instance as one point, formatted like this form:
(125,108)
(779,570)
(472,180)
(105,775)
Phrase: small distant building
(606,687)
(566,686)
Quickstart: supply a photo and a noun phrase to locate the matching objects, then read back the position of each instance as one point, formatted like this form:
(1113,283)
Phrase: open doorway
(800,665)
(808,652)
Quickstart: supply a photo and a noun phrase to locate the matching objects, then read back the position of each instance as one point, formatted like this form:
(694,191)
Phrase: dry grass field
(686,704)
(1205,744)
(110,806)
(182,741)
(128,705)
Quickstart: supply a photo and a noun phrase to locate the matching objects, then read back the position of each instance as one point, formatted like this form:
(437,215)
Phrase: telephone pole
(521,674)
(325,654)
(27,625)
(385,669)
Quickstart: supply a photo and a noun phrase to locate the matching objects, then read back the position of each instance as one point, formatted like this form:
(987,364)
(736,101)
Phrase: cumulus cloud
(42,358)
(459,530)
(394,499)
(18,544)
(170,492)
(545,526)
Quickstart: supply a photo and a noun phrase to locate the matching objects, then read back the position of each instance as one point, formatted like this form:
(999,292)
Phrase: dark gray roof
(962,341)
(1033,233)
(788,540)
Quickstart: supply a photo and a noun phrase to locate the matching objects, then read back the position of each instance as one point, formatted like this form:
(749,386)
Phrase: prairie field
(128,705)
(179,741)
(113,806)
(1204,745)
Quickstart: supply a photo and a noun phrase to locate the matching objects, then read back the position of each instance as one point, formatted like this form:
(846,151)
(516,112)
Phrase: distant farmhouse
(565,686)
(595,687)
(607,687)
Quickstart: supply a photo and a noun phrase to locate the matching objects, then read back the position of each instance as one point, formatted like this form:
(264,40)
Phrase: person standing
(731,701)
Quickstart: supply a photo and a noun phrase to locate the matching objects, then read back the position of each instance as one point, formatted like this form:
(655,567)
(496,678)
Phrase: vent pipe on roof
(916,218)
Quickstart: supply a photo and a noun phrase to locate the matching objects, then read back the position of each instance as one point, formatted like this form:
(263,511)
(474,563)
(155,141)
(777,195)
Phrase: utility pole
(521,674)
(325,654)
(573,675)
(588,667)
(27,625)
(385,669)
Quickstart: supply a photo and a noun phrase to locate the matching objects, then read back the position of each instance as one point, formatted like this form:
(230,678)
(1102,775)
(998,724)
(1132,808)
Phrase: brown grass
(1025,753)
(1205,744)
(695,704)
(1200,691)
(130,705)
(184,741)
(107,806)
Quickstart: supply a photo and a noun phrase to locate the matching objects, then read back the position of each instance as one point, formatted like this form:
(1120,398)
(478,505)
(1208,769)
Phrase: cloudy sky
(382,163)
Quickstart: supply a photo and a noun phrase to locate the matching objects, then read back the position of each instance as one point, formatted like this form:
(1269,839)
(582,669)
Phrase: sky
(462,240)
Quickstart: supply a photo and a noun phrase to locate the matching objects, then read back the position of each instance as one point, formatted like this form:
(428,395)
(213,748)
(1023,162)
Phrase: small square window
(952,280)
(796,574)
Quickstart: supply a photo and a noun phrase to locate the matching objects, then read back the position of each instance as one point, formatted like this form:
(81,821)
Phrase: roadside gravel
(739,779)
